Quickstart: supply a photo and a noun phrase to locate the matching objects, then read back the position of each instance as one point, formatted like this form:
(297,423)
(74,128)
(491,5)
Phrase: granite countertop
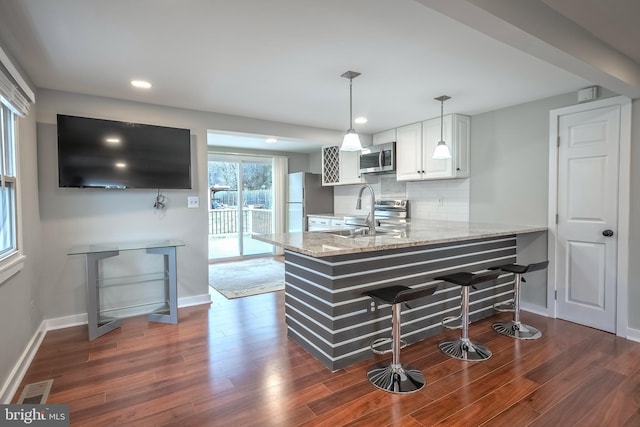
(413,232)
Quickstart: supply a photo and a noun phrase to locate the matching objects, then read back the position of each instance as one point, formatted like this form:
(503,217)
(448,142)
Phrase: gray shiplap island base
(325,276)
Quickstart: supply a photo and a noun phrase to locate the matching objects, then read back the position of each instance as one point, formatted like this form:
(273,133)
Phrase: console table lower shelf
(168,313)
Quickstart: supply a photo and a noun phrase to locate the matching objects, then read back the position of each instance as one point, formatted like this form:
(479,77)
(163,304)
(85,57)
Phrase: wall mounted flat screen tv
(109,154)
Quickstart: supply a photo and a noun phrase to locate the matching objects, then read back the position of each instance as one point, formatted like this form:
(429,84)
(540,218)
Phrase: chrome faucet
(371,217)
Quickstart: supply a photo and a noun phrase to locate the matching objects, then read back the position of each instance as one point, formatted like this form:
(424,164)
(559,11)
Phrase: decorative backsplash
(441,199)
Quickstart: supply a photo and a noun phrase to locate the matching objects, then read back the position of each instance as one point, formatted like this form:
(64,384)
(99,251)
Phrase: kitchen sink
(362,231)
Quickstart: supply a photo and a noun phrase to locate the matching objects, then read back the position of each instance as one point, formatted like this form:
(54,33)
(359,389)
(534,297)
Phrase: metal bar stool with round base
(463,348)
(515,328)
(395,377)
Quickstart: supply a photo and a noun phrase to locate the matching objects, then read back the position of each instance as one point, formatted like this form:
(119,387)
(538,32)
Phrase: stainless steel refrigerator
(306,196)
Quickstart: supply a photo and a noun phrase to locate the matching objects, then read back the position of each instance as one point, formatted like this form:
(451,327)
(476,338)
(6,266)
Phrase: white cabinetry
(384,137)
(409,152)
(340,167)
(414,149)
(337,223)
(316,223)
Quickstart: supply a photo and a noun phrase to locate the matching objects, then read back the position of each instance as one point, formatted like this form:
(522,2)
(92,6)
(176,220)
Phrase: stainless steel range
(386,210)
(392,208)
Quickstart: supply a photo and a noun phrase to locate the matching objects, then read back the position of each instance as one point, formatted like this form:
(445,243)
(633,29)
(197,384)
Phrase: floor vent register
(36,393)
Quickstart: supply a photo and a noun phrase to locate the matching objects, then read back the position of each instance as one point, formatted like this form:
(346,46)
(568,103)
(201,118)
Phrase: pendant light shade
(442,151)
(351,140)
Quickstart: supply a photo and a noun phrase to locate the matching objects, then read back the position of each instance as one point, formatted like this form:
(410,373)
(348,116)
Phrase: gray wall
(73,216)
(510,178)
(510,162)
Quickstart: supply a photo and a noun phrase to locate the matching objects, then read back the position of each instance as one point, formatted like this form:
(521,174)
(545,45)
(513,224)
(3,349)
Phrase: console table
(99,324)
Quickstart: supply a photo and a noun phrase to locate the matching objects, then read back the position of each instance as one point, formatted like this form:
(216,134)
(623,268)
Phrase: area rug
(245,278)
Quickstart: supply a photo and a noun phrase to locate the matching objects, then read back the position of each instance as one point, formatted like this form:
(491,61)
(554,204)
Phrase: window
(8,181)
(16,98)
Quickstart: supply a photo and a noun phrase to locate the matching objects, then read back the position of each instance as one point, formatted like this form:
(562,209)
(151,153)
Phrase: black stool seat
(515,328)
(468,279)
(521,269)
(395,377)
(398,293)
(463,348)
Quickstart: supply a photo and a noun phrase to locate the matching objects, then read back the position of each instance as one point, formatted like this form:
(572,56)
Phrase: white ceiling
(281,60)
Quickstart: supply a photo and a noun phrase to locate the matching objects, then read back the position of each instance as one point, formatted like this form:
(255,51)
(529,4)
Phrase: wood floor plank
(462,397)
(165,417)
(490,405)
(231,364)
(633,421)
(395,410)
(515,415)
(619,406)
(570,379)
(569,410)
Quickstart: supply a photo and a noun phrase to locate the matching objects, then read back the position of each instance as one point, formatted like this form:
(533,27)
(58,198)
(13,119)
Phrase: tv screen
(109,154)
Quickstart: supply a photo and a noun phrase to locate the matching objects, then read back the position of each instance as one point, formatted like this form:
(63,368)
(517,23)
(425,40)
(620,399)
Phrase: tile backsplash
(442,199)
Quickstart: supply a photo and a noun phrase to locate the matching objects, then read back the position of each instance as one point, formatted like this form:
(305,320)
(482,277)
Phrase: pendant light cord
(441,119)
(350,103)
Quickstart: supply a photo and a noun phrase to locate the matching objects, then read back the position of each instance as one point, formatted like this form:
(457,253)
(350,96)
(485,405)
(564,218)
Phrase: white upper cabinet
(414,156)
(384,137)
(340,167)
(409,152)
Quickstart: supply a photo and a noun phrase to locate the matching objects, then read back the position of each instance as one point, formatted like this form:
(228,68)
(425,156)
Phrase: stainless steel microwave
(378,158)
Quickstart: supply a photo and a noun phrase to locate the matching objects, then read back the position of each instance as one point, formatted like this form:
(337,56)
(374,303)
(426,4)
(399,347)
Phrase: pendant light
(351,140)
(442,150)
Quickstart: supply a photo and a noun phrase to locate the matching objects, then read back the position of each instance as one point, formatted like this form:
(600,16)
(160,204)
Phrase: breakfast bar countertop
(413,232)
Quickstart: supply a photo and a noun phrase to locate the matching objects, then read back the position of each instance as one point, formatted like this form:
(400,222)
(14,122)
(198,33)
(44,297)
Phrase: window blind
(13,89)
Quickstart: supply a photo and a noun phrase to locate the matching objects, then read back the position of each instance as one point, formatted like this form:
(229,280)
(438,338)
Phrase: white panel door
(587,217)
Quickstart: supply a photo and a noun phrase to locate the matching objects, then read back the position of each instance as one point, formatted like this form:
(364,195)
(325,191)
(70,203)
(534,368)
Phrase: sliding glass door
(241,203)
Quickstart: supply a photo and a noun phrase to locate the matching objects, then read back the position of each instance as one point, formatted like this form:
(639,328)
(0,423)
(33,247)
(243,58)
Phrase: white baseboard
(18,372)
(535,309)
(633,334)
(194,300)
(66,321)
(10,387)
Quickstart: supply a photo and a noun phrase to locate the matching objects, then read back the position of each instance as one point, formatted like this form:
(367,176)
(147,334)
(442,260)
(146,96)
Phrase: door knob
(607,233)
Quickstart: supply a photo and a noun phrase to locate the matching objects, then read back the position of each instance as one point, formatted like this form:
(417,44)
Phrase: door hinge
(558,141)
(556,219)
(555,295)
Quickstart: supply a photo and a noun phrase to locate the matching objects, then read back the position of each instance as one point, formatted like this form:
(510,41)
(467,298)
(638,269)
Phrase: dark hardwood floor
(231,364)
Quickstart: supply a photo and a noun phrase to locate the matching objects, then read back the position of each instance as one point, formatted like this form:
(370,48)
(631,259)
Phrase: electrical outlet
(193,202)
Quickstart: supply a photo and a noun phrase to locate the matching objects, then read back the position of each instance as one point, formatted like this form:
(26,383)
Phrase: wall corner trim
(18,372)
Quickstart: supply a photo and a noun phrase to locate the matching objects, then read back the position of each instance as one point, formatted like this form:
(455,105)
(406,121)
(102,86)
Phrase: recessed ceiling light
(112,140)
(360,120)
(270,140)
(141,84)
(121,165)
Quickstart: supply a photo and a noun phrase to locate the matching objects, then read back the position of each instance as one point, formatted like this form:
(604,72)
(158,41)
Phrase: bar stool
(395,377)
(463,348)
(515,328)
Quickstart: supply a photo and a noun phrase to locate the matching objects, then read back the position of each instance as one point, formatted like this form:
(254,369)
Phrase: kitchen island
(327,272)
